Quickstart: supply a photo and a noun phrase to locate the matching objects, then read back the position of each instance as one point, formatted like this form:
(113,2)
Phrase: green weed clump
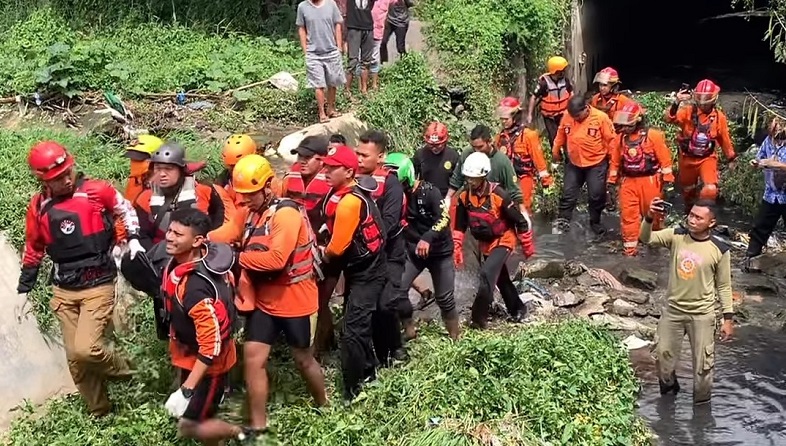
(557,384)
(95,157)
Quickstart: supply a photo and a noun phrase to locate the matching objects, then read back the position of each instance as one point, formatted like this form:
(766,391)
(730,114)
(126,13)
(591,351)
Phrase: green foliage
(744,185)
(96,157)
(567,384)
(43,53)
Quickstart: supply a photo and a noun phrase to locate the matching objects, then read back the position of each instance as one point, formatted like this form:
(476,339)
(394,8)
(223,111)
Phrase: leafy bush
(97,158)
(566,383)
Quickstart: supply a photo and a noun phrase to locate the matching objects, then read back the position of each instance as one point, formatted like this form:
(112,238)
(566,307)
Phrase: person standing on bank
(320,31)
(586,133)
(360,42)
(700,265)
(398,24)
(772,159)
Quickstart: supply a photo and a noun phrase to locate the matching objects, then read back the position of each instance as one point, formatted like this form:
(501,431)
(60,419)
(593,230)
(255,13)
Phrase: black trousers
(494,271)
(766,219)
(386,323)
(552,124)
(401,38)
(365,284)
(575,178)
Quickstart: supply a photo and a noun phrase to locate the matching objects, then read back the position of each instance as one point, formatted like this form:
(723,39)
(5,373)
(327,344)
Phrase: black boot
(666,387)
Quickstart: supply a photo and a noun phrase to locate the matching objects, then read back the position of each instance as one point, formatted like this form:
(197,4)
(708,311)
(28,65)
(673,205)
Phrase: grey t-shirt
(320,22)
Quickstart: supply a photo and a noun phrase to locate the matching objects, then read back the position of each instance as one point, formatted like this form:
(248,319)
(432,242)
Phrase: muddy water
(749,399)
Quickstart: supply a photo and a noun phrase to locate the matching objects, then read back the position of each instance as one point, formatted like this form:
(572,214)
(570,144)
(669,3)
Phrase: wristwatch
(188,393)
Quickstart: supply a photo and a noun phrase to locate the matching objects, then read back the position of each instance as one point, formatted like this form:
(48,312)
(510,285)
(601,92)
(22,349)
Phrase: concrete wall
(33,368)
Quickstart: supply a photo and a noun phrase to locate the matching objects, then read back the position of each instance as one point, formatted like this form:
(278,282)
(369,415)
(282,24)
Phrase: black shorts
(208,395)
(265,328)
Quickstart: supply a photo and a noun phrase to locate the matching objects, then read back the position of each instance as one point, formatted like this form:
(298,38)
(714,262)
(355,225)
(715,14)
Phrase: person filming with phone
(771,158)
(700,265)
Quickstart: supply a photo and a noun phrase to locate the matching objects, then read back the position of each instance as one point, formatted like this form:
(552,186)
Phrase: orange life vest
(523,165)
(485,223)
(555,102)
(308,195)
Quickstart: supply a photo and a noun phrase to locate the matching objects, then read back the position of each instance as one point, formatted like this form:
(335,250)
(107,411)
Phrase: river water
(749,397)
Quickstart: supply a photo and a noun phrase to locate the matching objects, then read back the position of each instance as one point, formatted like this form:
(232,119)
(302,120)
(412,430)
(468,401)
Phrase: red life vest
(256,237)
(309,195)
(181,325)
(701,143)
(368,239)
(635,161)
(380,176)
(78,233)
(484,223)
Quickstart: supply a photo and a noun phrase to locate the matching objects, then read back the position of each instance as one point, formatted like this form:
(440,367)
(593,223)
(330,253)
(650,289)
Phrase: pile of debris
(559,288)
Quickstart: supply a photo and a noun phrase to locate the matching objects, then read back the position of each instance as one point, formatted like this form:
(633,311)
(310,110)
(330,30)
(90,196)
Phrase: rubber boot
(667,388)
(410,332)
(453,327)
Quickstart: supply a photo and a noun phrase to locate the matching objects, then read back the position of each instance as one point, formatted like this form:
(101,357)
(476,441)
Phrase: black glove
(27,279)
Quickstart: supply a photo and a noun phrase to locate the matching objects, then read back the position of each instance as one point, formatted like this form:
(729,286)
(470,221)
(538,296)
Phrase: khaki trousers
(85,317)
(672,327)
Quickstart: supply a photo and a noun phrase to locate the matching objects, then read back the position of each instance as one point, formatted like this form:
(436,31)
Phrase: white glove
(117,255)
(135,247)
(177,404)
(554,166)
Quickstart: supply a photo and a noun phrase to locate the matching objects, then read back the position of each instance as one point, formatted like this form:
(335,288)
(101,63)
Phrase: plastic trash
(284,81)
(633,342)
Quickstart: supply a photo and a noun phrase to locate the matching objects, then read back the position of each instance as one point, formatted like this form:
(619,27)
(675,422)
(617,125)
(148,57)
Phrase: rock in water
(637,297)
(592,305)
(772,264)
(622,307)
(567,299)
(543,269)
(639,278)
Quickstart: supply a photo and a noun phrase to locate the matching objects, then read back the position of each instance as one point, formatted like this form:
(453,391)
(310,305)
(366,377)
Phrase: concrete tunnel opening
(658,45)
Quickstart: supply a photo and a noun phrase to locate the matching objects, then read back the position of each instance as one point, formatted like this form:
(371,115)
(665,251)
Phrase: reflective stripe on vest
(186,198)
(257,237)
(556,100)
(309,195)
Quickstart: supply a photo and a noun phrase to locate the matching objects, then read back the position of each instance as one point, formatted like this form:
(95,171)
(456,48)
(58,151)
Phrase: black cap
(312,145)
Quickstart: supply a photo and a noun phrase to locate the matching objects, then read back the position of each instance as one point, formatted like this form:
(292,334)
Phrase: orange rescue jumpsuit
(641,162)
(699,134)
(609,105)
(524,149)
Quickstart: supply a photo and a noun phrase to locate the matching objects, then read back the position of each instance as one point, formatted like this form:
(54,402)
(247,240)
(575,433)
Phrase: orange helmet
(630,114)
(436,134)
(706,92)
(508,107)
(607,75)
(556,64)
(49,159)
(236,147)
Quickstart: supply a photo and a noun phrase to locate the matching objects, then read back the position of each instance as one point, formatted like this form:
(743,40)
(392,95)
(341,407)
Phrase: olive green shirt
(698,268)
(501,173)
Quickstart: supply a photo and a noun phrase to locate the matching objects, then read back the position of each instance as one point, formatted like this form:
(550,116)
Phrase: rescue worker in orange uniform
(523,147)
(553,91)
(197,288)
(702,127)
(278,281)
(394,310)
(306,184)
(235,147)
(586,133)
(357,245)
(641,164)
(71,221)
(608,99)
(497,225)
(174,188)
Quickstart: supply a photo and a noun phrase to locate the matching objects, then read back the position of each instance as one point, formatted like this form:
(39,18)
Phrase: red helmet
(436,134)
(630,114)
(49,159)
(508,107)
(706,92)
(607,75)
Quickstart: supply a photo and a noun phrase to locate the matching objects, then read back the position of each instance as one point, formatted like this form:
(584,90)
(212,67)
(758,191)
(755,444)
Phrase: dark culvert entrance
(659,44)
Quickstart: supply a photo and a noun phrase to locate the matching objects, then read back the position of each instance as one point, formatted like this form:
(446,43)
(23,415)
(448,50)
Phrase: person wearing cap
(356,246)
(277,287)
(71,221)
(389,197)
(174,187)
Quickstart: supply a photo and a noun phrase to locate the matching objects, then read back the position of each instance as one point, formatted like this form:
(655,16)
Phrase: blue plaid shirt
(774,179)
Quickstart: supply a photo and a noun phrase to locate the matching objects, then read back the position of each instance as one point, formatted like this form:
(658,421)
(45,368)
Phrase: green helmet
(403,166)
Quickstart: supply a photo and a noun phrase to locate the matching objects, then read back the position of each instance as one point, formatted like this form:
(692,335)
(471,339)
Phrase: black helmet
(172,152)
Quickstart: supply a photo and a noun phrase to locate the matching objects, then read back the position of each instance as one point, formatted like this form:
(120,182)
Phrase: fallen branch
(762,105)
(746,14)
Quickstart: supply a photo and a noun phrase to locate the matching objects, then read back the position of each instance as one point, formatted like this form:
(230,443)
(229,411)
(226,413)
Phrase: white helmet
(476,165)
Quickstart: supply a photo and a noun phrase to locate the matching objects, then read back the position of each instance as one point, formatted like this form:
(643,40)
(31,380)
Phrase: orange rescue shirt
(587,141)
(609,105)
(288,230)
(719,129)
(655,143)
(528,145)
